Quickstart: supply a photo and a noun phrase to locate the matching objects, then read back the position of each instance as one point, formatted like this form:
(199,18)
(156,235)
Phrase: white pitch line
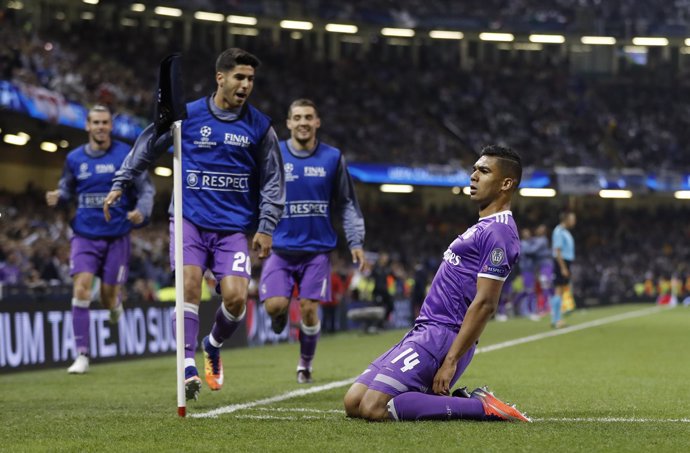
(274,399)
(613,420)
(300,409)
(494,347)
(280,417)
(575,328)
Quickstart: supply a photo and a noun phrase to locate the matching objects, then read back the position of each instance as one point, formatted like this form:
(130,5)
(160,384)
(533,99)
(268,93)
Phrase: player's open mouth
(473,190)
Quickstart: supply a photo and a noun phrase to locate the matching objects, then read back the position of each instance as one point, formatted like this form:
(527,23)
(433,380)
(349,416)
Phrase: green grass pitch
(617,384)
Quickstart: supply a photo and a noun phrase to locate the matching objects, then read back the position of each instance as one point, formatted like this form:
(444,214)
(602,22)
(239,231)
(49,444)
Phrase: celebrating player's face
(99,125)
(303,123)
(486,180)
(235,85)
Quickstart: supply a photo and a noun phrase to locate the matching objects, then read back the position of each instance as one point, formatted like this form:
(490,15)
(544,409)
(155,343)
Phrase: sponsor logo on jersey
(314,171)
(451,258)
(501,271)
(217,181)
(95,200)
(237,140)
(105,168)
(306,208)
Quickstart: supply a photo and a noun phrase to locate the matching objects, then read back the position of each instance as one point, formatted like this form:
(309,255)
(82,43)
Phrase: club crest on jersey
(497,256)
(83,171)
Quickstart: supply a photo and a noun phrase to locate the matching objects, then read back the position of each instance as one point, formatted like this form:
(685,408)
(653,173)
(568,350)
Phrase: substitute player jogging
(317,183)
(412,380)
(99,248)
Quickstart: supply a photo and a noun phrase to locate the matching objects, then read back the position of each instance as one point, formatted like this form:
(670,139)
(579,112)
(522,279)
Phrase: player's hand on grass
(262,242)
(358,258)
(52,197)
(110,199)
(135,217)
(443,377)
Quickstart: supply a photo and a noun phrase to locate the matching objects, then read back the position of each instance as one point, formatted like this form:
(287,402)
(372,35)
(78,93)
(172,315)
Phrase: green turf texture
(631,369)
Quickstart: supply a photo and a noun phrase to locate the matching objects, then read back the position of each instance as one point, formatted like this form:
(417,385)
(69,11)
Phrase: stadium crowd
(380,109)
(554,115)
(618,250)
(610,16)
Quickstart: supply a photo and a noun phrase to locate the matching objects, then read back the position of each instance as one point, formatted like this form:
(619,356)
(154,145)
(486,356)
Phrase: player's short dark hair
(302,102)
(509,160)
(235,56)
(564,214)
(98,108)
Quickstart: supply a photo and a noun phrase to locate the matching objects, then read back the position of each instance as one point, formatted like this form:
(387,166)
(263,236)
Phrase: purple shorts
(312,273)
(410,366)
(223,253)
(106,258)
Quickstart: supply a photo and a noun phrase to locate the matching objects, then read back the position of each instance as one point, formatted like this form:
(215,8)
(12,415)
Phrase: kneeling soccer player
(412,380)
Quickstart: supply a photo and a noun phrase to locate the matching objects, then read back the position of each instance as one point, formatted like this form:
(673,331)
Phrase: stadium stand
(558,116)
(382,108)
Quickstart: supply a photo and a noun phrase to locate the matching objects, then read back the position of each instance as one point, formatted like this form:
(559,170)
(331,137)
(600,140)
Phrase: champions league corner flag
(169,112)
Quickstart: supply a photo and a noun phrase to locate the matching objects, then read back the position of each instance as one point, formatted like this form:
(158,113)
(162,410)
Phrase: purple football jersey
(488,249)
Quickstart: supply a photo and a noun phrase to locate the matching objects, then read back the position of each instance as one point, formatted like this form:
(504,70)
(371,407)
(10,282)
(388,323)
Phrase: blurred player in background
(563,248)
(412,380)
(529,246)
(544,267)
(317,183)
(99,248)
(233,185)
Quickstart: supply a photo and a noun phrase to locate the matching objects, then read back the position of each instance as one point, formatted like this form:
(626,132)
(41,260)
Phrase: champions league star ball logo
(83,171)
(205,131)
(497,256)
(289,167)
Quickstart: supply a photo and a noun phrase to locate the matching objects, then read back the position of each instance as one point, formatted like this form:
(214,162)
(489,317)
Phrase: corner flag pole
(179,265)
(170,110)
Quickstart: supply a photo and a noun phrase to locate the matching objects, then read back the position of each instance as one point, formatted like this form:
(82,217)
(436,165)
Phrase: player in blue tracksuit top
(317,182)
(233,185)
(99,248)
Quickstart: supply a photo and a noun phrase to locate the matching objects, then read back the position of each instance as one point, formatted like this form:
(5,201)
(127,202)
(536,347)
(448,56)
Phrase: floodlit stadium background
(594,95)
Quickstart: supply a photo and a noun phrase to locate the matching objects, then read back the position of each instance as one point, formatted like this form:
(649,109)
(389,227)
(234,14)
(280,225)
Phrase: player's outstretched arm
(478,315)
(148,147)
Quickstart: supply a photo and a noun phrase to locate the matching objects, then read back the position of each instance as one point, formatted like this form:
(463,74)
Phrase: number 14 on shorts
(410,360)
